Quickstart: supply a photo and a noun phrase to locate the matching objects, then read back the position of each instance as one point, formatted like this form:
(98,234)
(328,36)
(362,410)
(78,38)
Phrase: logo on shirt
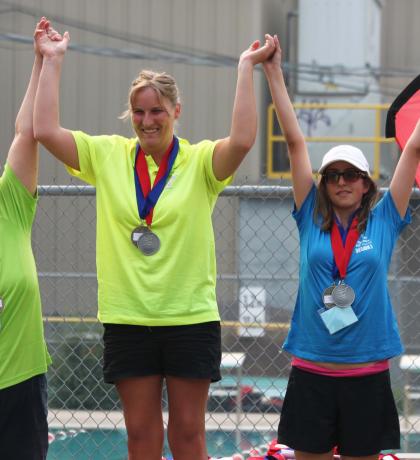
(363,244)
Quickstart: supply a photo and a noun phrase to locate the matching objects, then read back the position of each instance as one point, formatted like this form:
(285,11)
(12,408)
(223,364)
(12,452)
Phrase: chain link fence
(258,260)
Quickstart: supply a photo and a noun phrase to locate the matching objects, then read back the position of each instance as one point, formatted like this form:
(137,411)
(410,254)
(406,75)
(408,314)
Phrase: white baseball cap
(347,153)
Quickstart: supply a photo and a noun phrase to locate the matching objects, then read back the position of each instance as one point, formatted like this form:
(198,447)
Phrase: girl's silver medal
(343,295)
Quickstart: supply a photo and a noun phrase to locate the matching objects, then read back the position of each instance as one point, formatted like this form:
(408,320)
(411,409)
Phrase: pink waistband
(374,368)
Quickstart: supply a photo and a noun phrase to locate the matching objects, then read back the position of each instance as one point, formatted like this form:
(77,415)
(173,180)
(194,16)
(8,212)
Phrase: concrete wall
(400,45)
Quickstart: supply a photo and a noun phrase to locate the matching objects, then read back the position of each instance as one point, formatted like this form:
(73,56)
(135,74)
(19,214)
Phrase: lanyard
(343,250)
(147,196)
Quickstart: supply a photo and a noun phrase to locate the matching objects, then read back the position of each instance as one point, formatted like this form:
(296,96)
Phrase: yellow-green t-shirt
(176,285)
(23,352)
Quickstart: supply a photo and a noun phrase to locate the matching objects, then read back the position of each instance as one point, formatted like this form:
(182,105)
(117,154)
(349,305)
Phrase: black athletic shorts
(356,414)
(23,420)
(191,351)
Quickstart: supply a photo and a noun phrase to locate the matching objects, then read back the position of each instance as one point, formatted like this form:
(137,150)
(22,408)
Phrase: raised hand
(47,41)
(274,60)
(256,53)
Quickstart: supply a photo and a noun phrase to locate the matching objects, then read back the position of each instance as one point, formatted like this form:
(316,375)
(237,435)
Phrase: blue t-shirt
(375,335)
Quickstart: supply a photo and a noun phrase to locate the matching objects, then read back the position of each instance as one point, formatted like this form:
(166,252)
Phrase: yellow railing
(227,324)
(376,139)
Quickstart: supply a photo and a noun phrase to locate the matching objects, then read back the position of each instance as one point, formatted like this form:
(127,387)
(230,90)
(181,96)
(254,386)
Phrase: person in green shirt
(23,353)
(156,259)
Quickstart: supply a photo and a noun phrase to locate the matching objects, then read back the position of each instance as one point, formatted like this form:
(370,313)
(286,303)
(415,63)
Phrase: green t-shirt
(23,352)
(176,285)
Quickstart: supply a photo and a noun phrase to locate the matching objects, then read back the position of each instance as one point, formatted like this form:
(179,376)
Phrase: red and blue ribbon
(148,196)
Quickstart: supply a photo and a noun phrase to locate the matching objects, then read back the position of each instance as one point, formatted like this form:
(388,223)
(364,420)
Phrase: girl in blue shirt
(343,330)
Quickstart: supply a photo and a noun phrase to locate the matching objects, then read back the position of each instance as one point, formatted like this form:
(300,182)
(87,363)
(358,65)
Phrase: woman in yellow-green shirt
(23,353)
(155,246)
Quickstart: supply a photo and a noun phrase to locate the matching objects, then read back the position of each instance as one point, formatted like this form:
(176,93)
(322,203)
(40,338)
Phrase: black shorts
(191,351)
(23,420)
(356,414)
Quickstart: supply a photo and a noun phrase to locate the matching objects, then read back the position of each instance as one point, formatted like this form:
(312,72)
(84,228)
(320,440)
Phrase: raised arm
(300,164)
(23,153)
(230,152)
(58,140)
(405,172)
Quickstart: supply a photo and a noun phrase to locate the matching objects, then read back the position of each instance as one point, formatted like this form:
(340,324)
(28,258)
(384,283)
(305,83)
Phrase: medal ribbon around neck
(342,253)
(148,196)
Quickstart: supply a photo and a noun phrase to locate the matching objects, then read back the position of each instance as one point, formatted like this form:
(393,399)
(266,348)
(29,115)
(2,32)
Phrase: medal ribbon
(148,196)
(343,251)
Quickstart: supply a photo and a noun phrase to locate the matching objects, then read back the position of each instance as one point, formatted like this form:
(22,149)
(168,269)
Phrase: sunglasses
(349,175)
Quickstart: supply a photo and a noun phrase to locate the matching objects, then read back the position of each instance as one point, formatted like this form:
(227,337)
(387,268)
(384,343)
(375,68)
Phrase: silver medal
(327,297)
(147,241)
(343,295)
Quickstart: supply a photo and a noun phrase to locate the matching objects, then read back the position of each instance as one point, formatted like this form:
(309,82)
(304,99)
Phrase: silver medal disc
(327,297)
(147,241)
(343,295)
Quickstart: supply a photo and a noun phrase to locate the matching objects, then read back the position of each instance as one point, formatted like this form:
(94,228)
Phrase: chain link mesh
(258,259)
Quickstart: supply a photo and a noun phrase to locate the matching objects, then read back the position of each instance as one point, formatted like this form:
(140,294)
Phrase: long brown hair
(324,213)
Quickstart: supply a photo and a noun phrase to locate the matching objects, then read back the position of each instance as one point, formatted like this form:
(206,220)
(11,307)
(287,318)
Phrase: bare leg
(186,425)
(141,398)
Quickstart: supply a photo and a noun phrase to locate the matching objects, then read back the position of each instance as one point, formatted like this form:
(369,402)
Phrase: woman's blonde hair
(163,83)
(324,213)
